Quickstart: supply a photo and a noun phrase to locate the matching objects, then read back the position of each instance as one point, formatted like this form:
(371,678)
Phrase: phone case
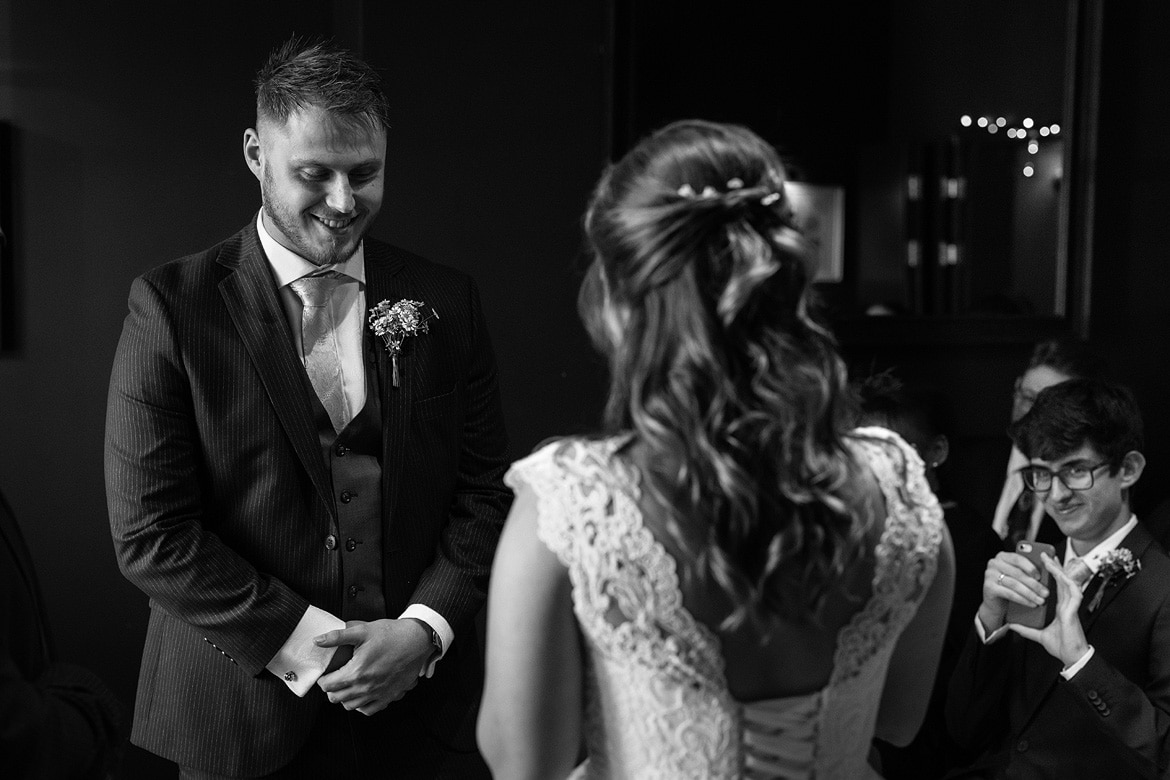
(1042,615)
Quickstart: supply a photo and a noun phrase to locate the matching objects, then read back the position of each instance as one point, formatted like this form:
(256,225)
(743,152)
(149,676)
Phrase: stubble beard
(294,231)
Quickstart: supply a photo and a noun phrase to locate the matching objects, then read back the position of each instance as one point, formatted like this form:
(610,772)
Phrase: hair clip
(708,192)
(734,184)
(687,191)
(769,199)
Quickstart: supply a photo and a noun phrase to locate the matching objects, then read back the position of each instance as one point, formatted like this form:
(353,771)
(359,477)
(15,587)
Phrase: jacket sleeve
(161,510)
(456,582)
(1136,717)
(976,703)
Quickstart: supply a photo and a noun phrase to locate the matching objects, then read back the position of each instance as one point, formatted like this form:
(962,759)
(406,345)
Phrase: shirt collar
(288,266)
(1094,556)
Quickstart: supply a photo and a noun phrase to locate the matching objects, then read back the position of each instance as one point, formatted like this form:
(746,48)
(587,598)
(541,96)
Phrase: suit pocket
(435,406)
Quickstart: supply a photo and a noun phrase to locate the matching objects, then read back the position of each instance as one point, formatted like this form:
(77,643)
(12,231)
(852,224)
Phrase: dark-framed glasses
(1076,477)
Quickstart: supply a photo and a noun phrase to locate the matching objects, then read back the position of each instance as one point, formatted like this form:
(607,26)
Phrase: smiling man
(1088,695)
(312,513)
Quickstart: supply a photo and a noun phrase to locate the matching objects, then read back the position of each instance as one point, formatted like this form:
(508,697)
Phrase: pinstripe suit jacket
(220,499)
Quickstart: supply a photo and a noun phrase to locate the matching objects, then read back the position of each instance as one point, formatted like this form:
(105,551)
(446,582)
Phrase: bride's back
(665,689)
(784,657)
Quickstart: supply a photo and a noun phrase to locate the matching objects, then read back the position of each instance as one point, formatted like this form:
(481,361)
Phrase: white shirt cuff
(439,624)
(300,662)
(986,638)
(1070,672)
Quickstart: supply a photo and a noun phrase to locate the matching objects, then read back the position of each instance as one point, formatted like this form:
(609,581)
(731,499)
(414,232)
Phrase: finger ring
(1000,578)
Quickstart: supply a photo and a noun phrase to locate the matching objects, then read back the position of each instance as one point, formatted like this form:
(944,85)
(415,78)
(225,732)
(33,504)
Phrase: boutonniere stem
(394,322)
(1116,567)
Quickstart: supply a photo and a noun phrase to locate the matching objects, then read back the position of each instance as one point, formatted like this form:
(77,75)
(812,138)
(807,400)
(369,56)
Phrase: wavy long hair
(699,296)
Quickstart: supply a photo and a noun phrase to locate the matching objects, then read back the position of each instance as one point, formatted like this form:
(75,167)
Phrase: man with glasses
(1088,695)
(1017,514)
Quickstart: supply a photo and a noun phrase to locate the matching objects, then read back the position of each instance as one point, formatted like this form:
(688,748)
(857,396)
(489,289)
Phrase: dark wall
(1131,275)
(128,125)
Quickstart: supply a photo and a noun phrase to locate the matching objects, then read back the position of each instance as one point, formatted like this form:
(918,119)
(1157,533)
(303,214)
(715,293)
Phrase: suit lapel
(386,282)
(251,299)
(1137,541)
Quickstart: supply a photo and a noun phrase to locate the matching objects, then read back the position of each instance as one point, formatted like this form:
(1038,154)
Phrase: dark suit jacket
(220,499)
(56,720)
(1111,720)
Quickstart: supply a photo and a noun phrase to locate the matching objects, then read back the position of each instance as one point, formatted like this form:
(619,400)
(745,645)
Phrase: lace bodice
(657,702)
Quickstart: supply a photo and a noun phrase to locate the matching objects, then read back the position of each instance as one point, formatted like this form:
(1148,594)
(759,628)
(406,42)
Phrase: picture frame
(820,215)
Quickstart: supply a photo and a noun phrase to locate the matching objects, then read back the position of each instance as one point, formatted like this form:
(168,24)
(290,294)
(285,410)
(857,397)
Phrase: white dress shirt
(299,662)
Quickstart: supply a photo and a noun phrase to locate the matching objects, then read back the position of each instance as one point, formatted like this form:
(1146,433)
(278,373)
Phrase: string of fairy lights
(1027,130)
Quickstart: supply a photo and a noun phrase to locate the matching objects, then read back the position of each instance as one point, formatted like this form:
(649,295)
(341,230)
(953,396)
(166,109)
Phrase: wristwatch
(436,640)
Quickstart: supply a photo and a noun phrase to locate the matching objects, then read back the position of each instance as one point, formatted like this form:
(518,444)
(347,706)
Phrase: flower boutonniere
(1116,567)
(394,322)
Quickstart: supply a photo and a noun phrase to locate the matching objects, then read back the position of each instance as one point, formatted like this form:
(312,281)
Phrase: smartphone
(1043,614)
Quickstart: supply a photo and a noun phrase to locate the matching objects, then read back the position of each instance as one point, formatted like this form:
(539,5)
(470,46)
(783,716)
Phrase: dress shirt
(299,662)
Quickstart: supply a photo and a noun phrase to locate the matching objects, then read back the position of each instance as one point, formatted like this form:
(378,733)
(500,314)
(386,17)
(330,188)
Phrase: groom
(1089,694)
(311,509)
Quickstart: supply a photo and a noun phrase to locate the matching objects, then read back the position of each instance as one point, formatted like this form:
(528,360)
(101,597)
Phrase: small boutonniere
(394,322)
(1116,567)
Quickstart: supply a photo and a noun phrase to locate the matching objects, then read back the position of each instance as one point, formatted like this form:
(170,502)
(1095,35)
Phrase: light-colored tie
(1078,571)
(320,350)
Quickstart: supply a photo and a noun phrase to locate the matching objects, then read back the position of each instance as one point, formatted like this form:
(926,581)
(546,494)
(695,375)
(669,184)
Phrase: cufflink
(290,676)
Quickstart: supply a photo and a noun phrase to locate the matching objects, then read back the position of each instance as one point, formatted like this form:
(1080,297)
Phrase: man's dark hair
(299,74)
(1072,414)
(1068,355)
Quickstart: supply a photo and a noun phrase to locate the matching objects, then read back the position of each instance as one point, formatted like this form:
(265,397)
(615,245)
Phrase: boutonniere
(1116,567)
(394,322)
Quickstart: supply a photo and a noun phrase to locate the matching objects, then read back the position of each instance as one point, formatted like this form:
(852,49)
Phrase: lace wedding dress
(657,702)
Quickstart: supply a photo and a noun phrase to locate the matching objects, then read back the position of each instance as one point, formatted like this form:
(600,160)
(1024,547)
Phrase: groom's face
(321,180)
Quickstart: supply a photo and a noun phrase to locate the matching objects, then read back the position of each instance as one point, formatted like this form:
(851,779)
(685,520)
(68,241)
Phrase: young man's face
(1091,515)
(321,180)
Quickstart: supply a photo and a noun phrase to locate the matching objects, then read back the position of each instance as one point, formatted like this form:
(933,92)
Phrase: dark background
(127,122)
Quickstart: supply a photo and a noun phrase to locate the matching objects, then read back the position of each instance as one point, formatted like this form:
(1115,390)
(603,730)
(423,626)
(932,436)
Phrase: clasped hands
(1010,577)
(375,663)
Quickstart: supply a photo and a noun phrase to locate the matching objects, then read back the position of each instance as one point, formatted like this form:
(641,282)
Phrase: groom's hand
(387,656)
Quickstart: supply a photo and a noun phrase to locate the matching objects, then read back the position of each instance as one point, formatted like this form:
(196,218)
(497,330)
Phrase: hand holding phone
(1040,615)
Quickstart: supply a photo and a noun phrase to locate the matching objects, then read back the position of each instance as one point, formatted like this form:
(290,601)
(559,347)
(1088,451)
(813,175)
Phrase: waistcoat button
(330,542)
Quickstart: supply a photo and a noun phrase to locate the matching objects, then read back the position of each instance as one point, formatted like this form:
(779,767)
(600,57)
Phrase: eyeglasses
(1039,479)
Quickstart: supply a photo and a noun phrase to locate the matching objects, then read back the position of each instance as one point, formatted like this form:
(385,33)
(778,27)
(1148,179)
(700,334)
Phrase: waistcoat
(353,458)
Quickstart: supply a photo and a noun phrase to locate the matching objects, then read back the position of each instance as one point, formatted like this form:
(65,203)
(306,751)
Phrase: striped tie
(320,350)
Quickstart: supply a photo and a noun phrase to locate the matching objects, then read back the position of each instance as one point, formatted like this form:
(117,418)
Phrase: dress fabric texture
(657,703)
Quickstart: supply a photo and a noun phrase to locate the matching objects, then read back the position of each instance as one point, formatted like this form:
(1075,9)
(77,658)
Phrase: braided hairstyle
(699,296)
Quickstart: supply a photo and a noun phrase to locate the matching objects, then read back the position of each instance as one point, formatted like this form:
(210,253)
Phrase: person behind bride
(726,582)
(1087,695)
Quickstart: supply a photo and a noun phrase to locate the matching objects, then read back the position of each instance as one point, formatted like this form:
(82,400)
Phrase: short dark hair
(1068,355)
(300,73)
(1072,414)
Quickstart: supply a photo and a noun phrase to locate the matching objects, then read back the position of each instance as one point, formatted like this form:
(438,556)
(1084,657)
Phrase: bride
(728,582)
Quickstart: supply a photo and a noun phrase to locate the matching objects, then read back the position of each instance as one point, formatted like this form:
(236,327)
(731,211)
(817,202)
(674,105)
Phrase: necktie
(321,353)
(1078,571)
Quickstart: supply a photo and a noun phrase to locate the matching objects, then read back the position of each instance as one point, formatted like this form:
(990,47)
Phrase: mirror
(959,133)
